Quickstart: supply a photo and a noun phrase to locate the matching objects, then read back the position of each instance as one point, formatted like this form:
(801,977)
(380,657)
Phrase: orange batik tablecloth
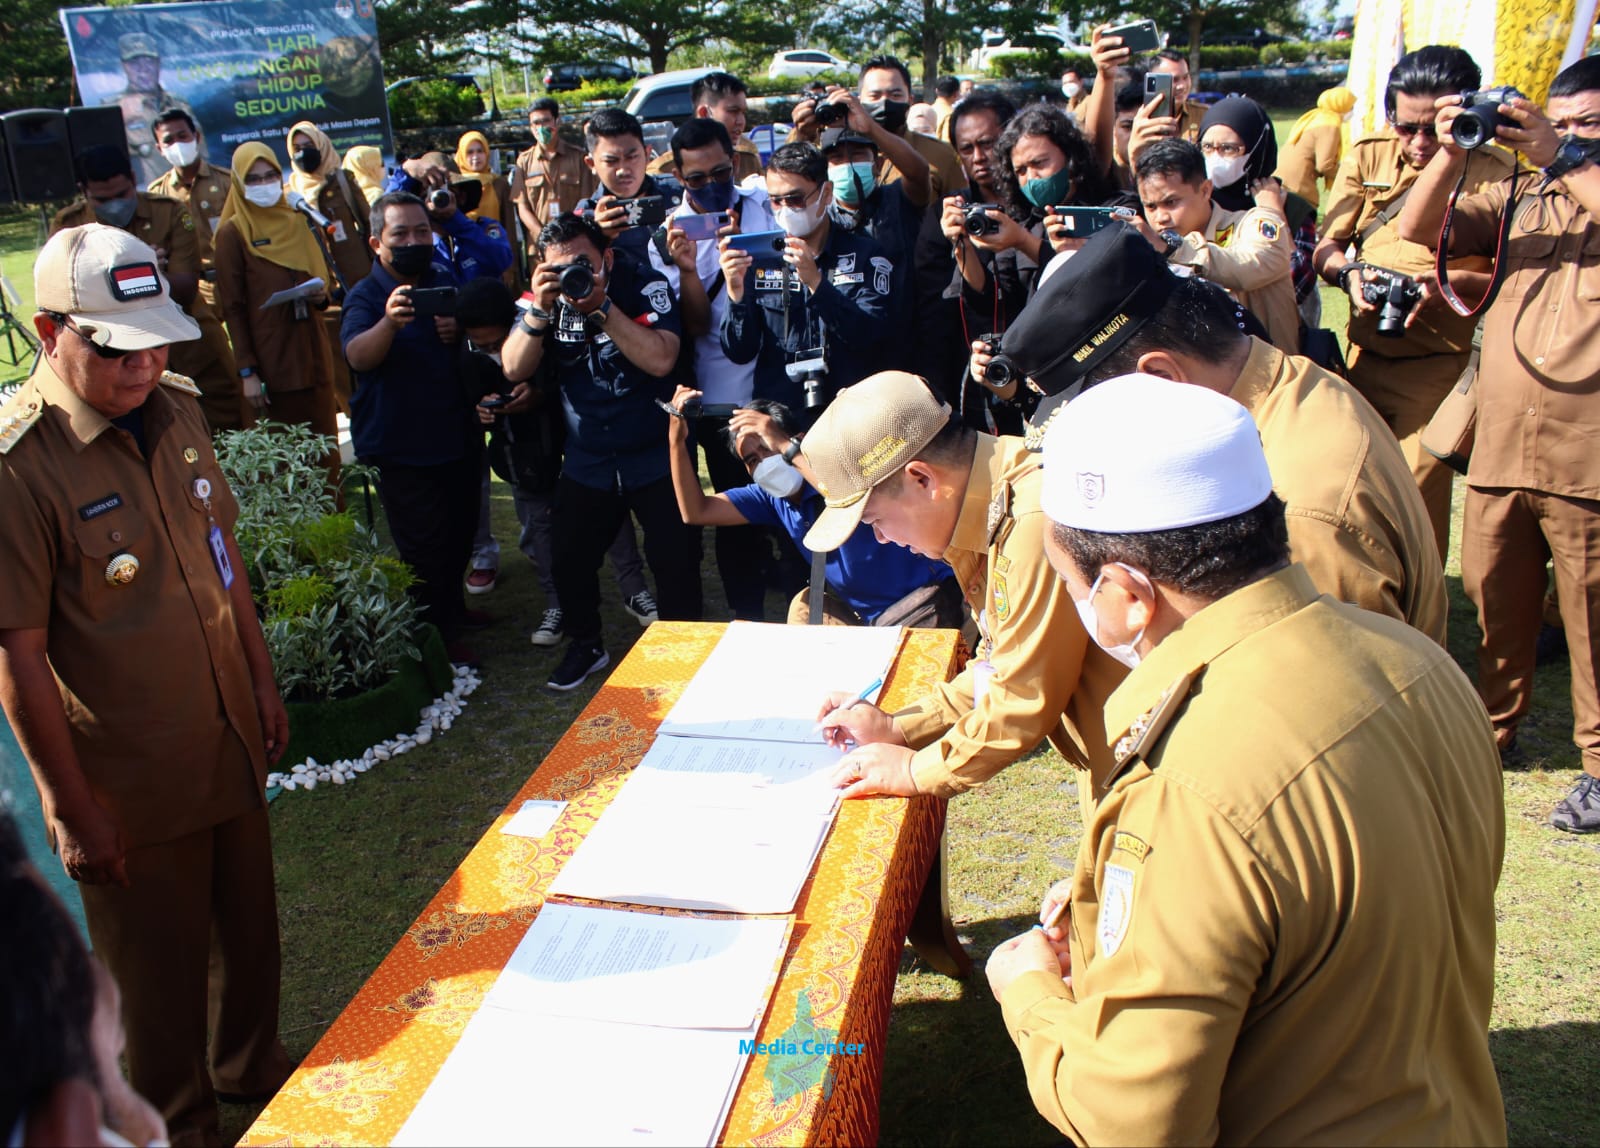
(364,1077)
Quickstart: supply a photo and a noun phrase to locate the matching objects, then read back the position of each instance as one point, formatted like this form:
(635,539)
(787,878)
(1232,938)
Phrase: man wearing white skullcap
(1281,926)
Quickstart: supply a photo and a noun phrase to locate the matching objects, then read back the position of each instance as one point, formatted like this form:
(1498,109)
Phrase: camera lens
(439,199)
(1470,129)
(999,372)
(576,281)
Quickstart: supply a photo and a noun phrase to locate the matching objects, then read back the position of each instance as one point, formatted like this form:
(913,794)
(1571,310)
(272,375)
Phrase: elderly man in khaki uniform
(887,453)
(550,178)
(136,678)
(1356,519)
(1533,485)
(109,196)
(1281,926)
(1407,376)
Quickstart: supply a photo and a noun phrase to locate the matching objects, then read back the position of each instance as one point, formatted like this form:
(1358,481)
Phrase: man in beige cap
(1291,879)
(136,678)
(886,452)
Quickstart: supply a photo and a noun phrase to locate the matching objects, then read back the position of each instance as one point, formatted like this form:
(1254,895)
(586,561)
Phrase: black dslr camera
(828,115)
(812,374)
(1001,371)
(577,280)
(976,218)
(1480,117)
(1396,294)
(440,199)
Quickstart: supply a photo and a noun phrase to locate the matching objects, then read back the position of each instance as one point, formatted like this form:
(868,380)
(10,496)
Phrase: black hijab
(1250,121)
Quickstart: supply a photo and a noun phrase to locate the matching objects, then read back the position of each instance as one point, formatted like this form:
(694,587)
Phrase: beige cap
(869,432)
(132,45)
(107,283)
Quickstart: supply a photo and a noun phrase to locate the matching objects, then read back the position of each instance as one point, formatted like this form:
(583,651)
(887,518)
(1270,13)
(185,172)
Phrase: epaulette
(179,383)
(1148,727)
(17,417)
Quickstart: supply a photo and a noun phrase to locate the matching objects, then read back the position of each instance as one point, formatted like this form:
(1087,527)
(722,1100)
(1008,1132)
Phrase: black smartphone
(645,210)
(494,403)
(1139,36)
(1082,222)
(702,227)
(1159,84)
(428,302)
(765,246)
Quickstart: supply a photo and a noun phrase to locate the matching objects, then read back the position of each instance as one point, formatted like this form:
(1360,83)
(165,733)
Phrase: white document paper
(695,857)
(520,1079)
(767,682)
(734,773)
(642,968)
(534,819)
(310,289)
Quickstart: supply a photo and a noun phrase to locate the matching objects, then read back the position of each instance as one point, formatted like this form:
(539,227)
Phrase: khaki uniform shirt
(1190,119)
(1249,252)
(1048,679)
(1314,156)
(1539,389)
(746,161)
(1282,923)
(204,200)
(337,199)
(549,188)
(1370,179)
(152,673)
(289,354)
(1356,518)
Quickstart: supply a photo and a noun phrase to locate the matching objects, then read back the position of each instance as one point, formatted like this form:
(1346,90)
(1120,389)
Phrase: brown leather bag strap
(1389,212)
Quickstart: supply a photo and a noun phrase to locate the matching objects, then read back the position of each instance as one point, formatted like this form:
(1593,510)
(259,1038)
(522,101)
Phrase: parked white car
(803,63)
(996,46)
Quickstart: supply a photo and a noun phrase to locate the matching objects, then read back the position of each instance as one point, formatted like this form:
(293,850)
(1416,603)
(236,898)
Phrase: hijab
(365,165)
(287,233)
(489,206)
(1247,118)
(309,183)
(1333,107)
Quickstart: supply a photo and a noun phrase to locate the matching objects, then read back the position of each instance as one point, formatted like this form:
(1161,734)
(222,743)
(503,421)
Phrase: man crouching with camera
(1533,485)
(610,326)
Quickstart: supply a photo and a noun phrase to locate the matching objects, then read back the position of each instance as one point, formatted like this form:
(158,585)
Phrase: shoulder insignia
(16,419)
(1268,229)
(999,508)
(1148,727)
(179,383)
(1033,433)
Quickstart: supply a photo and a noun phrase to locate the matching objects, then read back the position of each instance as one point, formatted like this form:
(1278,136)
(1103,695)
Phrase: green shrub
(1229,58)
(595,91)
(429,102)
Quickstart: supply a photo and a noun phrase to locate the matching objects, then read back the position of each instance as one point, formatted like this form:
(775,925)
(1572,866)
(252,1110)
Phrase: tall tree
(929,27)
(35,69)
(1185,21)
(653,29)
(426,37)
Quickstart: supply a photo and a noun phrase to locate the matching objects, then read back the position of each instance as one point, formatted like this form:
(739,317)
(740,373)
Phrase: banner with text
(244,69)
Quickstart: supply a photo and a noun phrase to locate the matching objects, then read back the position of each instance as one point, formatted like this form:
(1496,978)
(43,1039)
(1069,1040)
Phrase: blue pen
(855,701)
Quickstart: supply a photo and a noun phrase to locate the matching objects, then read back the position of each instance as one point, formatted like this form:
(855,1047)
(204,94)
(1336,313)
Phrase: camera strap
(1442,256)
(1388,212)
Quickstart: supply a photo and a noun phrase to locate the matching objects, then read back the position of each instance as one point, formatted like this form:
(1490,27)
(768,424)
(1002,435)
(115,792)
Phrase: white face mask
(799,222)
(1125,652)
(1225,170)
(777,477)
(1071,90)
(182,153)
(263,194)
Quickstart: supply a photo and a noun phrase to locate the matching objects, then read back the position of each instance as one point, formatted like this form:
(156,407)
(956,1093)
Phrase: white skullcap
(1137,454)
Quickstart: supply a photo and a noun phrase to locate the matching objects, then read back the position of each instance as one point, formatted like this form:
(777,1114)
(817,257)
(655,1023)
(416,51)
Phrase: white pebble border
(437,717)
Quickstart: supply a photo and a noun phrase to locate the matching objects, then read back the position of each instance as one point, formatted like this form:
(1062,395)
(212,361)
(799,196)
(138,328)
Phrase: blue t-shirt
(870,576)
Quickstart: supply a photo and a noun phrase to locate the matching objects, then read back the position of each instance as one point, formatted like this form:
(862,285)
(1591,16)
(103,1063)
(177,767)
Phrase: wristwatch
(1571,155)
(1341,277)
(600,314)
(792,451)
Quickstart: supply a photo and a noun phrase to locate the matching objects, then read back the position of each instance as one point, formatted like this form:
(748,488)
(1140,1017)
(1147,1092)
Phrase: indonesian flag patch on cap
(135,281)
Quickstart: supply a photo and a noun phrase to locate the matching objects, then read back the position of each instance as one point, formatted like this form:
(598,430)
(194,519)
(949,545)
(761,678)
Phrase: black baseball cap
(833,137)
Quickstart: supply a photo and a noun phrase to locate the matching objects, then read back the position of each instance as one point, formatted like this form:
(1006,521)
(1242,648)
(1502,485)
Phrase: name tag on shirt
(338,231)
(843,277)
(219,555)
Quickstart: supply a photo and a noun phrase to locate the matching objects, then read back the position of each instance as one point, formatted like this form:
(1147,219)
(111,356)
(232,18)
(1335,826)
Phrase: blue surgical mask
(716,195)
(1049,190)
(846,176)
(1124,652)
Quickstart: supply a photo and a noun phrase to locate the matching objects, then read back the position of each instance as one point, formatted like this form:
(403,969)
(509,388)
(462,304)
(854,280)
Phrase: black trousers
(433,516)
(743,553)
(586,523)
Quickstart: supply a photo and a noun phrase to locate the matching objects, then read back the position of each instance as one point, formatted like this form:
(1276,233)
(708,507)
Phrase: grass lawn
(355,864)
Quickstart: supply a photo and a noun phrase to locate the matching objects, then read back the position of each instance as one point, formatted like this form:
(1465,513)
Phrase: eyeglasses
(1409,130)
(1224,149)
(100,351)
(722,173)
(263,179)
(795,199)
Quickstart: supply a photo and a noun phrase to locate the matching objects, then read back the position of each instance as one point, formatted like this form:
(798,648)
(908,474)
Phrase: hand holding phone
(702,227)
(1139,36)
(1158,85)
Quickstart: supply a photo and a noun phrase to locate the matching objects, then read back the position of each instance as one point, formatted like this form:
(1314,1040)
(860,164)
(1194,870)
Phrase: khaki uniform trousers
(1507,536)
(1406,393)
(193,945)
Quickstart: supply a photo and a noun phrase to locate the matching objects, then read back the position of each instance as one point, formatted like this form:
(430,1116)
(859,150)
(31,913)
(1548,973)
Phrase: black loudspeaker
(87,127)
(7,194)
(41,155)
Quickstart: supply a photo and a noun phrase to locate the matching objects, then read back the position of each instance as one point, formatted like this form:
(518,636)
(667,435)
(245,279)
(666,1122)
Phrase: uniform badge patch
(1128,843)
(1223,235)
(847,262)
(134,281)
(881,270)
(660,296)
(1268,229)
(1116,909)
(1002,598)
(1091,486)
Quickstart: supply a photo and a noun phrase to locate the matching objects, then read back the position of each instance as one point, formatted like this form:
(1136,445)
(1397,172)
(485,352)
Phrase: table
(878,878)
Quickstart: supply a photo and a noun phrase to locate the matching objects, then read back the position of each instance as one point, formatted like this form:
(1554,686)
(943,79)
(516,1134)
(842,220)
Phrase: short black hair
(1059,128)
(177,113)
(568,226)
(782,418)
(952,446)
(485,302)
(1209,561)
(714,87)
(102,161)
(545,104)
(381,206)
(47,985)
(610,123)
(890,62)
(1172,157)
(1130,97)
(1174,55)
(1199,320)
(1575,79)
(800,159)
(1436,70)
(982,101)
(947,86)
(699,131)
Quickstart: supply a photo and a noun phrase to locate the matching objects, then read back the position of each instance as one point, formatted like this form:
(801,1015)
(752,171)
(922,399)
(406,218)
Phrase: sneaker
(1579,811)
(583,659)
(482,581)
(549,631)
(643,608)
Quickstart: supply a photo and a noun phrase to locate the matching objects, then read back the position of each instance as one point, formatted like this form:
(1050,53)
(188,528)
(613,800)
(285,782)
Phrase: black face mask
(307,159)
(411,259)
(890,114)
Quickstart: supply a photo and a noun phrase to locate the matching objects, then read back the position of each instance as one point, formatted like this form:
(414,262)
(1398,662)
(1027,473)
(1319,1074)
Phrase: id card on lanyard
(214,537)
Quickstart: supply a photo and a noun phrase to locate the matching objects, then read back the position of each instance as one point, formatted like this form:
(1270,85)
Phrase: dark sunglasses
(722,173)
(1409,130)
(795,199)
(101,352)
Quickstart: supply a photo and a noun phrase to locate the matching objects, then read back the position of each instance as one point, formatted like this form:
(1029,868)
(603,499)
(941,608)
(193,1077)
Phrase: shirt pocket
(1589,267)
(1528,261)
(100,542)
